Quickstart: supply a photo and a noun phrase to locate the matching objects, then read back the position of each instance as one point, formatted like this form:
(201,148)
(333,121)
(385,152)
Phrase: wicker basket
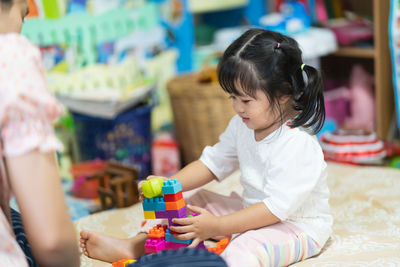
(201,110)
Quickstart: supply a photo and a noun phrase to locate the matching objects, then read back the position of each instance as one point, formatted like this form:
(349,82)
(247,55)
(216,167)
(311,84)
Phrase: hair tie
(302,66)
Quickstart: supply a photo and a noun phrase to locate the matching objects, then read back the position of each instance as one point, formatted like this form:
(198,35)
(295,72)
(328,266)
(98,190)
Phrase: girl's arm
(194,175)
(252,217)
(35,181)
(206,225)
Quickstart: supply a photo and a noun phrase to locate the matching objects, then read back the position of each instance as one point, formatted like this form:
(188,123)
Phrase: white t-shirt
(286,171)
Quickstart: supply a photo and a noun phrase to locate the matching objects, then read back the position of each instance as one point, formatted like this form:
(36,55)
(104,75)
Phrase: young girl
(283,216)
(28,166)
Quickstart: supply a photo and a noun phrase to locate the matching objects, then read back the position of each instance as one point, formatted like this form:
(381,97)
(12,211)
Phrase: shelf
(355,52)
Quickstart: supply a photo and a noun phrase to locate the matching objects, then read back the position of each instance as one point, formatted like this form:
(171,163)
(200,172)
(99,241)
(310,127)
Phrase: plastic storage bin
(126,138)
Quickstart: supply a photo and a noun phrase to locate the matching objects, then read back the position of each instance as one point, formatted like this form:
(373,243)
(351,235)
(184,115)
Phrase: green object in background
(153,187)
(86,31)
(395,162)
(204,34)
(54,9)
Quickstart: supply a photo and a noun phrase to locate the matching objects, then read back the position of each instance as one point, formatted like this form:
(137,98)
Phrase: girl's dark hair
(270,61)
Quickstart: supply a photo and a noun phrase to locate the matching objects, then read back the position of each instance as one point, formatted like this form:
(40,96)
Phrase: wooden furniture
(375,59)
(117,186)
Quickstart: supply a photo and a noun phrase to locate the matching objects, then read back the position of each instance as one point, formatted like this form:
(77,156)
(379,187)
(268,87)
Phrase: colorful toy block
(153,187)
(173,197)
(171,186)
(161,214)
(170,205)
(220,247)
(157,231)
(171,246)
(170,238)
(181,213)
(123,263)
(155,203)
(149,214)
(176,205)
(154,245)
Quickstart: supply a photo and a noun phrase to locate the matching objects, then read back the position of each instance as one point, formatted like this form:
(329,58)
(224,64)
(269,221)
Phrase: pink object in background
(165,155)
(362,105)
(349,32)
(337,104)
(322,16)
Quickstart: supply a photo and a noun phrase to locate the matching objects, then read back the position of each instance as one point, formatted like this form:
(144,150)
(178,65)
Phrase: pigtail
(309,99)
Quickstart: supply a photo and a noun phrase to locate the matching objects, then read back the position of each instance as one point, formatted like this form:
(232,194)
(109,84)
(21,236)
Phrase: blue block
(171,186)
(170,238)
(155,203)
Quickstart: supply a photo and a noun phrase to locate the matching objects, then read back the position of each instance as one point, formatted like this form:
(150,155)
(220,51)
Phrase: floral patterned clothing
(27,111)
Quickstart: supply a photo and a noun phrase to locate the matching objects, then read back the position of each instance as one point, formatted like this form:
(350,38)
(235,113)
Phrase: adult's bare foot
(105,248)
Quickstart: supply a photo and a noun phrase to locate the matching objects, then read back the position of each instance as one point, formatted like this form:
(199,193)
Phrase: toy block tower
(163,200)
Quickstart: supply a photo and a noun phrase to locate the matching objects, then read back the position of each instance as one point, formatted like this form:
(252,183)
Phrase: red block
(173,197)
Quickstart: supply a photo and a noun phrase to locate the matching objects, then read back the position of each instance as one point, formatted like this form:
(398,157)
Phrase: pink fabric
(27,110)
(253,248)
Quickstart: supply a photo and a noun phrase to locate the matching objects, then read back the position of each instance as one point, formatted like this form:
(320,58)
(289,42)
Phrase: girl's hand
(140,184)
(200,228)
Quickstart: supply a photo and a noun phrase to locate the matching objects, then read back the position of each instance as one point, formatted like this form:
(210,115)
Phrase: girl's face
(12,16)
(257,113)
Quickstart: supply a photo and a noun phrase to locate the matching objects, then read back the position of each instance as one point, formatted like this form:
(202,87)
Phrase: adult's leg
(19,232)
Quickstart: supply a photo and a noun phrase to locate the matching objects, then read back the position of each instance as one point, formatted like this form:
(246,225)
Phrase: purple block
(154,245)
(161,214)
(181,213)
(201,245)
(171,246)
(170,223)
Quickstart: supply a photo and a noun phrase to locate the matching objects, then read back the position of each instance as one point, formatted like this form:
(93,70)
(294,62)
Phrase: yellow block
(149,214)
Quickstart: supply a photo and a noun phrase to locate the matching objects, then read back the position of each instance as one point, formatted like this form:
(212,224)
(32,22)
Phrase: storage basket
(126,138)
(201,110)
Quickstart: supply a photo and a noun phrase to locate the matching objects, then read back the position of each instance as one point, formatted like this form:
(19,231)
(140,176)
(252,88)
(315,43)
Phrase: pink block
(171,246)
(154,245)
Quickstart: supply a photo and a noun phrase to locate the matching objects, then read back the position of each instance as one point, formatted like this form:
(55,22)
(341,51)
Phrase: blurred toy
(362,101)
(165,158)
(84,187)
(167,204)
(113,182)
(337,104)
(351,29)
(53,9)
(395,162)
(355,147)
(33,9)
(352,106)
(116,185)
(292,18)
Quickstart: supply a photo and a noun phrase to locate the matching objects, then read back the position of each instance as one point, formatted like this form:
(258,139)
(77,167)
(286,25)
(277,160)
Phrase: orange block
(122,263)
(157,231)
(176,205)
(220,247)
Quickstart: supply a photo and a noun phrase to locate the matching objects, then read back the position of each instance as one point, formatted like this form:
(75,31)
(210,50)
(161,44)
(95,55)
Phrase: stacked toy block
(163,200)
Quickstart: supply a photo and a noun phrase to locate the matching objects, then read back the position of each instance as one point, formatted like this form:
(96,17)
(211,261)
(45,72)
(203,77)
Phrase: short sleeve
(27,108)
(221,159)
(296,171)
